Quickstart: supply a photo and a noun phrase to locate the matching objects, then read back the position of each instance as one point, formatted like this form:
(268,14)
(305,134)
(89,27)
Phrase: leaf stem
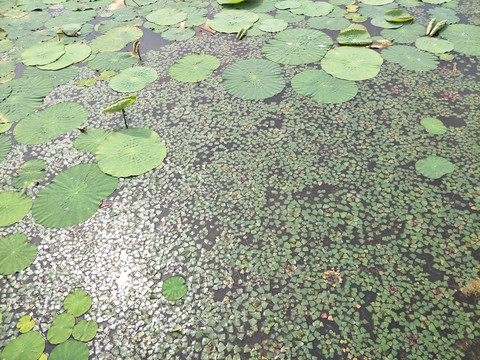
(124,118)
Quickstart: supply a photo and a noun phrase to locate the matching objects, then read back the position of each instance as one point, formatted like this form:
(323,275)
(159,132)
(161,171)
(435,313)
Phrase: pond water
(302,229)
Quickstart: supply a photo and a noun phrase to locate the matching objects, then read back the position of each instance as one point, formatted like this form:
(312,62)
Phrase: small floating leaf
(43,53)
(77,303)
(61,328)
(25,323)
(133,79)
(70,350)
(120,104)
(410,58)
(13,207)
(174,288)
(27,346)
(398,15)
(29,173)
(354,35)
(434,126)
(16,253)
(352,63)
(85,330)
(89,140)
(193,68)
(434,167)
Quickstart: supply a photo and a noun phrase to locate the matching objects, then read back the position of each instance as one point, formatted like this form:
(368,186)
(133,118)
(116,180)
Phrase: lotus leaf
(434,167)
(77,303)
(174,288)
(310,8)
(130,152)
(465,38)
(13,207)
(116,39)
(232,21)
(16,253)
(376,2)
(434,45)
(5,146)
(70,350)
(112,61)
(373,11)
(297,46)
(120,104)
(85,330)
(56,77)
(329,23)
(178,34)
(25,323)
(354,35)
(254,30)
(381,22)
(73,196)
(434,126)
(195,16)
(5,45)
(61,328)
(441,12)
(193,68)
(70,17)
(398,15)
(50,123)
(406,34)
(288,16)
(352,63)
(89,140)
(5,125)
(27,346)
(323,88)
(167,16)
(73,53)
(31,172)
(287,4)
(253,79)
(133,79)
(273,25)
(410,58)
(43,53)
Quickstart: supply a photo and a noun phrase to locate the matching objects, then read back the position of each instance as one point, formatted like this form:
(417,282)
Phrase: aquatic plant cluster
(292,179)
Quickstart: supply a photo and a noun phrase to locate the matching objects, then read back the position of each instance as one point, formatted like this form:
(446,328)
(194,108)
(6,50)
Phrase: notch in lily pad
(121,105)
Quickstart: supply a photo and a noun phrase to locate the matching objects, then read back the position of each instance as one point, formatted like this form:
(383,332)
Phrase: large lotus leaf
(352,63)
(56,77)
(89,140)
(85,330)
(178,34)
(70,350)
(287,16)
(5,45)
(73,196)
(410,58)
(380,21)
(465,38)
(329,23)
(61,328)
(405,35)
(273,25)
(193,68)
(232,21)
(50,123)
(444,13)
(16,253)
(376,2)
(433,126)
(297,46)
(167,16)
(254,30)
(77,303)
(25,323)
(130,152)
(71,17)
(27,346)
(13,207)
(310,8)
(354,35)
(253,79)
(43,53)
(112,61)
(434,45)
(398,15)
(73,53)
(324,88)
(6,68)
(257,6)
(120,104)
(196,16)
(5,146)
(31,172)
(174,288)
(116,39)
(373,11)
(133,79)
(434,167)
(287,4)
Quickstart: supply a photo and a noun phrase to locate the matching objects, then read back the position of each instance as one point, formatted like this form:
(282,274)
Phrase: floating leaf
(89,140)
(193,68)
(398,15)
(166,16)
(406,34)
(232,21)
(329,23)
(61,328)
(287,4)
(16,253)
(354,35)
(120,104)
(434,167)
(323,88)
(31,172)
(297,46)
(55,77)
(133,79)
(352,63)
(273,25)
(434,126)
(381,22)
(253,79)
(112,61)
(310,8)
(77,303)
(73,53)
(434,45)
(50,123)
(178,34)
(86,82)
(13,207)
(73,196)
(376,2)
(410,58)
(465,38)
(85,330)
(174,288)
(70,350)
(441,12)
(27,346)
(116,39)
(25,323)
(43,53)
(5,146)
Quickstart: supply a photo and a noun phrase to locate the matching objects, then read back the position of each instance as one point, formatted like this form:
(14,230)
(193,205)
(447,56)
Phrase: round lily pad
(440,12)
(329,23)
(85,330)
(287,4)
(434,126)
(116,39)
(376,2)
(324,88)
(273,25)
(434,45)
(352,63)
(61,328)
(405,35)
(434,167)
(89,140)
(166,16)
(398,15)
(16,253)
(30,172)
(77,303)
(253,79)
(50,123)
(112,61)
(25,323)
(380,21)
(70,350)
(73,196)
(232,21)
(354,35)
(55,77)
(465,38)
(43,53)
(27,346)
(311,8)
(174,288)
(178,34)
(5,146)
(193,68)
(133,79)
(13,207)
(410,58)
(297,46)
(73,53)
(130,152)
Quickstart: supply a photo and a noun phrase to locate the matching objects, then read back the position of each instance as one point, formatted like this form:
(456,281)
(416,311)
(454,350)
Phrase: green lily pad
(70,350)
(193,68)
(410,58)
(174,288)
(55,77)
(112,61)
(229,2)
(13,207)
(376,2)
(232,21)
(120,104)
(434,45)
(77,303)
(398,15)
(434,126)
(73,196)
(25,324)
(381,22)
(73,53)
(133,79)
(61,329)
(440,12)
(310,8)
(329,23)
(323,88)
(5,146)
(178,34)
(297,46)
(27,346)
(31,172)
(354,35)
(434,167)
(50,123)
(287,4)
(16,253)
(85,330)
(352,63)
(130,152)
(89,140)
(253,79)
(167,16)
(43,53)
(406,34)
(273,25)
(464,37)
(116,39)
